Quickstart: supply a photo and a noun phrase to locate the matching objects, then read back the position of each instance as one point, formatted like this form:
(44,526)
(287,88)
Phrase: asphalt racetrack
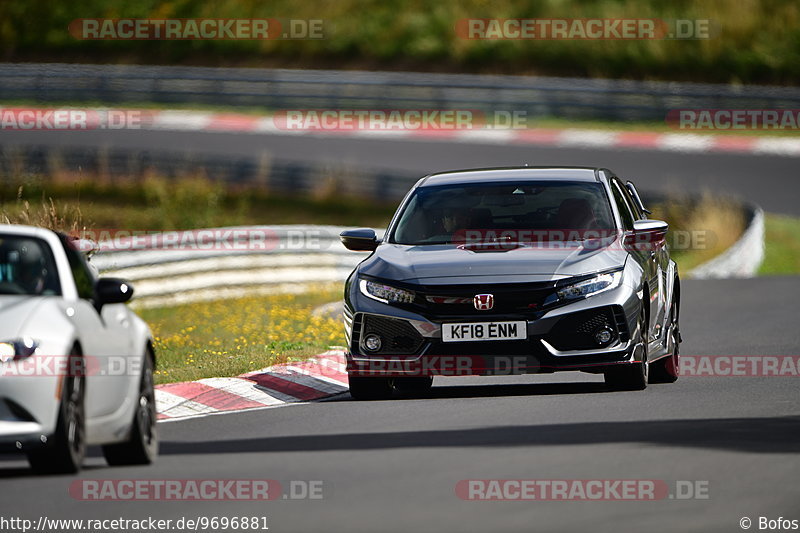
(394,465)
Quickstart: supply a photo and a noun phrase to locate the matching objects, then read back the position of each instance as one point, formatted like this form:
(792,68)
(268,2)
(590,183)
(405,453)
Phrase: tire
(667,369)
(415,384)
(365,388)
(632,376)
(65,453)
(141,448)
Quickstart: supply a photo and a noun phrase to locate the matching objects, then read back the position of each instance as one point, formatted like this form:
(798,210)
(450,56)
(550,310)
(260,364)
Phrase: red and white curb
(680,141)
(303,381)
(669,142)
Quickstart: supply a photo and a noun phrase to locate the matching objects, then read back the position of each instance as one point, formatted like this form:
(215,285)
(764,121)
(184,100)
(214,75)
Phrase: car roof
(589,174)
(24,231)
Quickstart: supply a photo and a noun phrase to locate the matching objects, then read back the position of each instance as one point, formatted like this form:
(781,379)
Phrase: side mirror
(112,291)
(359,240)
(647,234)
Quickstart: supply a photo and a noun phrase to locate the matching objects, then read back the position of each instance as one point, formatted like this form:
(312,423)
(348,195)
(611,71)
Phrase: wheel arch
(646,302)
(150,351)
(77,347)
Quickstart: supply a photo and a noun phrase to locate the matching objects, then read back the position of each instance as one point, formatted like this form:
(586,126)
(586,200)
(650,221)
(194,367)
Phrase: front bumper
(29,404)
(558,340)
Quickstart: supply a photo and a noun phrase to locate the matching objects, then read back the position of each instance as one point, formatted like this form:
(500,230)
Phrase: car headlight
(385,293)
(589,287)
(17,349)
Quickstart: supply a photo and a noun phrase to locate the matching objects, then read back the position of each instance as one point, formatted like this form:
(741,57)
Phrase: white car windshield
(27,267)
(515,211)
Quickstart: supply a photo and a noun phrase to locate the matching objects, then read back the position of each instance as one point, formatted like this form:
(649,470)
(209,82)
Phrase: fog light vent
(372,342)
(603,336)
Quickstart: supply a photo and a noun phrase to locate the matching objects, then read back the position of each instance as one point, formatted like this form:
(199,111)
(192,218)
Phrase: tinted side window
(84,278)
(634,194)
(624,209)
(27,266)
(637,214)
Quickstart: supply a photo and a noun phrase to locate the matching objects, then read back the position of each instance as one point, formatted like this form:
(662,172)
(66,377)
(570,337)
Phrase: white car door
(106,339)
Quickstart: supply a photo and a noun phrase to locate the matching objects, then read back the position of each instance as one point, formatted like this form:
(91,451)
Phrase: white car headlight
(384,293)
(589,287)
(17,349)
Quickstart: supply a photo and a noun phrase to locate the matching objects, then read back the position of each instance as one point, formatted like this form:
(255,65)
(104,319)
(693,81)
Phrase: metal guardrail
(744,257)
(302,89)
(203,267)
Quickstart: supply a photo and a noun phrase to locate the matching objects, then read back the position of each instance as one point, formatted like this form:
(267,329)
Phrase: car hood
(449,264)
(14,313)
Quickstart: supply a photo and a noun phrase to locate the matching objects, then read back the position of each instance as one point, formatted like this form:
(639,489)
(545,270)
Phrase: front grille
(526,299)
(398,336)
(576,331)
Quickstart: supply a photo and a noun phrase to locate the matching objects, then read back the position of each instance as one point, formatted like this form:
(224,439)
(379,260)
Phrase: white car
(76,364)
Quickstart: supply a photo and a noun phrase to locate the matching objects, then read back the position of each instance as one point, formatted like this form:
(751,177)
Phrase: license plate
(485,331)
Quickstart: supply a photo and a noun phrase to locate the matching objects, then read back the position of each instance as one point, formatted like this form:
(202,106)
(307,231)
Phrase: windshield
(27,267)
(522,211)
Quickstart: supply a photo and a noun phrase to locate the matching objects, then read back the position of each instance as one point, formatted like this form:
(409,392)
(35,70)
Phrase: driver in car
(32,268)
(24,268)
(454,219)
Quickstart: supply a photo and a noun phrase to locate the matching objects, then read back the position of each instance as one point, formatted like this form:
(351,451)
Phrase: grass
(159,203)
(231,337)
(782,245)
(700,229)
(66,218)
(752,40)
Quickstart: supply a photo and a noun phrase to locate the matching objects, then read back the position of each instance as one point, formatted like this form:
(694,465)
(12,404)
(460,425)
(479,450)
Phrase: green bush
(753,40)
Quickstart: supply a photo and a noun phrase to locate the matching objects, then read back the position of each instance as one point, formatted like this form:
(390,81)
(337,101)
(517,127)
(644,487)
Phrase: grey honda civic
(508,271)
